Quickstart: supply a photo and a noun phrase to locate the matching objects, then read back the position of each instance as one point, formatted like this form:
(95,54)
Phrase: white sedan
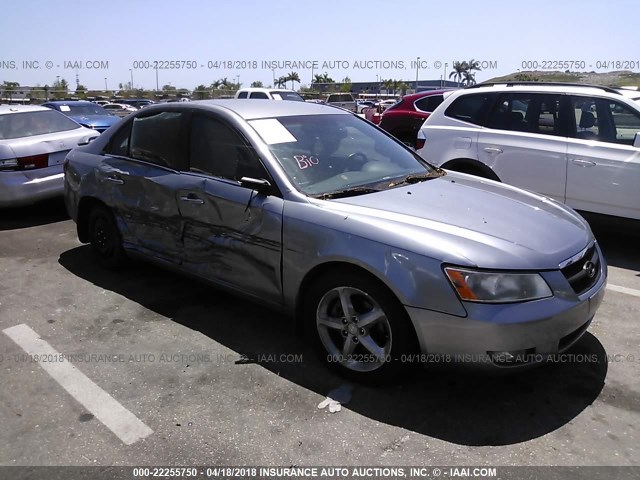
(34,142)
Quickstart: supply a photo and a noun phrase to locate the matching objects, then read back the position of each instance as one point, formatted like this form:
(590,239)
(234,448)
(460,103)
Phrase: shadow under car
(461,407)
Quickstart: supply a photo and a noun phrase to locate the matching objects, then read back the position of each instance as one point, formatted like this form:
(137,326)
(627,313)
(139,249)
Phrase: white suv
(577,144)
(269,94)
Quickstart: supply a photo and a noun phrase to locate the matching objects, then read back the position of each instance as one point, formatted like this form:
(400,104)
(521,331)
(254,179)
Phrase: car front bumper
(530,330)
(30,186)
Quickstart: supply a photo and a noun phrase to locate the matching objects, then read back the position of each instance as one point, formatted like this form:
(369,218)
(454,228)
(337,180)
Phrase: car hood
(95,120)
(468,220)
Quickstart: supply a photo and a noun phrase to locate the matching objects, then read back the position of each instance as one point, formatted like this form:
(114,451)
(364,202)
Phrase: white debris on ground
(336,398)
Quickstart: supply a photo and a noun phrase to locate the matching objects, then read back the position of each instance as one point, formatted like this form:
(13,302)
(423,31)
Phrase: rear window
(88,109)
(29,124)
(430,103)
(469,108)
(341,97)
(287,96)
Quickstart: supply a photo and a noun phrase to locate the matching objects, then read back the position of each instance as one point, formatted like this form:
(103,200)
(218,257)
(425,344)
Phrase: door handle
(492,150)
(583,163)
(192,199)
(113,179)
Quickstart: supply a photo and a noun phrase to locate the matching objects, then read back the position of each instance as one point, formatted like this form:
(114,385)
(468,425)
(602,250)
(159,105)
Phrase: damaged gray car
(383,259)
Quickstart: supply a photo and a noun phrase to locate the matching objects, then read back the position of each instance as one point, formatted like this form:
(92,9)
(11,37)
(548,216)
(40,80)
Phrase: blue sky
(503,34)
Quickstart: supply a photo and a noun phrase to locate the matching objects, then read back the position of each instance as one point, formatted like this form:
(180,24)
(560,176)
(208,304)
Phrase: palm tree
(469,78)
(473,65)
(323,78)
(458,71)
(388,84)
(403,87)
(281,82)
(293,77)
(200,92)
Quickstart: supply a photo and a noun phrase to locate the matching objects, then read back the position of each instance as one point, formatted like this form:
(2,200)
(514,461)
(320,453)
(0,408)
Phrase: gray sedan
(385,261)
(33,144)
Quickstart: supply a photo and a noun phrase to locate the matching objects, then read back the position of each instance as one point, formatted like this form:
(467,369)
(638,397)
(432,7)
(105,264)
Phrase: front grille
(577,273)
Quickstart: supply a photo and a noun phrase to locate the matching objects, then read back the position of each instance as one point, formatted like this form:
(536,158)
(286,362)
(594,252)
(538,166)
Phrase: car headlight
(497,287)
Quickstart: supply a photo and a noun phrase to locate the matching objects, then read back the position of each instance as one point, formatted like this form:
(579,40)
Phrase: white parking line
(102,405)
(628,291)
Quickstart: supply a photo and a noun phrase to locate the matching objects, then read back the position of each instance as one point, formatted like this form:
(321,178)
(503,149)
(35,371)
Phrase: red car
(404,119)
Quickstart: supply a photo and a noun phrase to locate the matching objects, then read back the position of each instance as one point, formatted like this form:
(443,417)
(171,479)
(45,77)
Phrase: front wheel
(104,237)
(358,327)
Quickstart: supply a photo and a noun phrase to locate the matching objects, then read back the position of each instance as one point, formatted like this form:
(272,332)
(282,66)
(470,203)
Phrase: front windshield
(85,110)
(330,153)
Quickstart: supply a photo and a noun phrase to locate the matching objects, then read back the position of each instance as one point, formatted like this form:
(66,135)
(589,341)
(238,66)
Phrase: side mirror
(636,140)
(258,184)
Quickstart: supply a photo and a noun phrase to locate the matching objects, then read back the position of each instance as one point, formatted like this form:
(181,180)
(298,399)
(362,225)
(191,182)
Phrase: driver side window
(218,150)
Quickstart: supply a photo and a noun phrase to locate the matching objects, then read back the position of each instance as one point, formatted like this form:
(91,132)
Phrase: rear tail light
(421,140)
(25,163)
(33,161)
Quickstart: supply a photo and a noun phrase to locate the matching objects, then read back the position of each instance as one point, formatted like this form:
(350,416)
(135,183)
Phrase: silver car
(386,261)
(119,109)
(33,144)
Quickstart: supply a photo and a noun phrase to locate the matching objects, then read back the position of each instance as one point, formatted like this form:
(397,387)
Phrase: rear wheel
(358,327)
(104,237)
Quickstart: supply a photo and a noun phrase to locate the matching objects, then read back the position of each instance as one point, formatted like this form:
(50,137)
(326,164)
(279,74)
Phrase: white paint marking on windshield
(272,131)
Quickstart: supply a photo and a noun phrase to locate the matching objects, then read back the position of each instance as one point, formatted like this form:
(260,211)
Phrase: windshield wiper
(416,177)
(347,192)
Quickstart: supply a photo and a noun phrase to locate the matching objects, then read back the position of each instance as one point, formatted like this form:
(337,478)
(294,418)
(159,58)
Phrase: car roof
(542,87)
(7,109)
(629,93)
(426,93)
(262,108)
(266,90)
(68,102)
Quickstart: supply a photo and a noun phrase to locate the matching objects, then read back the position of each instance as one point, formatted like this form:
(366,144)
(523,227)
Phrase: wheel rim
(354,329)
(102,237)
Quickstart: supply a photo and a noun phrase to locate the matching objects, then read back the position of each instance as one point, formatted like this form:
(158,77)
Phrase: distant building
(378,87)
(17,94)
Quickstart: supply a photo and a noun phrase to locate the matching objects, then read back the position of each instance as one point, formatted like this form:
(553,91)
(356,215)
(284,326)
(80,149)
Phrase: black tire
(105,239)
(393,335)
